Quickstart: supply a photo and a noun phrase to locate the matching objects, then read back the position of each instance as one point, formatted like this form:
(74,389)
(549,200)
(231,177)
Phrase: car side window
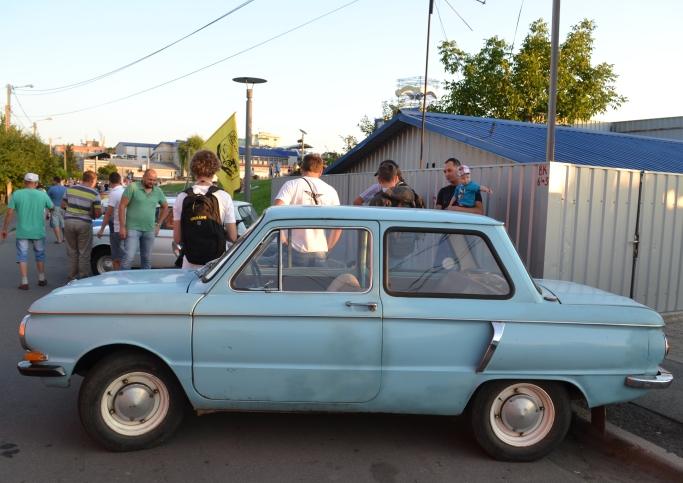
(460,264)
(281,265)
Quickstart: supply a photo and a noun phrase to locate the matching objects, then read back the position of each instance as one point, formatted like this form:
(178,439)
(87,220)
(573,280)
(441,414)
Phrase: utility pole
(424,94)
(552,89)
(7,109)
(247,133)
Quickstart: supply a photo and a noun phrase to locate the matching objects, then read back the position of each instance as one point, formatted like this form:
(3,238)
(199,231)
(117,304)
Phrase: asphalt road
(41,438)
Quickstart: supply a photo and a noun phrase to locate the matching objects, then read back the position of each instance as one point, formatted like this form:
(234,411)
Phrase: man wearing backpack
(203,216)
(393,192)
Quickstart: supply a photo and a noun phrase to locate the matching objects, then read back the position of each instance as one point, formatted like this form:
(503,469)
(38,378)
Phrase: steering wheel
(257,274)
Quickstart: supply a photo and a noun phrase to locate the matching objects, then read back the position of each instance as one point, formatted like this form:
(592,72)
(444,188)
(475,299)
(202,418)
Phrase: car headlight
(666,346)
(22,332)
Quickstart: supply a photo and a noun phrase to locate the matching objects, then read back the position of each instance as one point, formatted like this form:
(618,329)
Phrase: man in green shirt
(137,219)
(30,205)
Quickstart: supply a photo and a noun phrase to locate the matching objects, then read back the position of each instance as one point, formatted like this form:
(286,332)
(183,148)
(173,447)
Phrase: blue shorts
(38,250)
(116,245)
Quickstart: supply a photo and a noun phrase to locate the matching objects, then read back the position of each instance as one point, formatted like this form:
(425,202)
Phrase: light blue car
(346,309)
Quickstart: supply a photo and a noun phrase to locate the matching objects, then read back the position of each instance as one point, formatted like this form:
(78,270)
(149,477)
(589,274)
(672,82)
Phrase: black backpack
(202,229)
(416,202)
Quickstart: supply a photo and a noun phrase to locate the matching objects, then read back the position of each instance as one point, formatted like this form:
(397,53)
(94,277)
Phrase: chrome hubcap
(520,413)
(134,402)
(105,264)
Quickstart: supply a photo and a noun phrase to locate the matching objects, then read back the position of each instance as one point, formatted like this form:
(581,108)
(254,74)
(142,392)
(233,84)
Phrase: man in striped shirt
(81,204)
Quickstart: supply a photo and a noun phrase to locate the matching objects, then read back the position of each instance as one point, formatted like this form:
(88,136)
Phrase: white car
(162,252)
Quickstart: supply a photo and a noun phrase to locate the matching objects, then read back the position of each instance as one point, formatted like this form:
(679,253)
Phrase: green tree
(192,144)
(71,162)
(349,142)
(367,125)
(497,83)
(105,171)
(22,153)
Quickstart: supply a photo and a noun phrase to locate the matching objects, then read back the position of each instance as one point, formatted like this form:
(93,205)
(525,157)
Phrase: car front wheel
(101,261)
(521,420)
(130,401)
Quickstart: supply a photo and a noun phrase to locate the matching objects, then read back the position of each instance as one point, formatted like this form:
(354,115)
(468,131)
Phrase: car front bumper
(662,380)
(39,370)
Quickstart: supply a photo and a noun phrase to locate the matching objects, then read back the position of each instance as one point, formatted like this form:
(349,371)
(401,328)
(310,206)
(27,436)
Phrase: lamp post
(247,133)
(60,137)
(552,90)
(35,130)
(424,94)
(303,145)
(8,110)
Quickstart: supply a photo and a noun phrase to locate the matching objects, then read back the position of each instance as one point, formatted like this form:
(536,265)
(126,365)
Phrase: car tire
(541,408)
(130,401)
(101,260)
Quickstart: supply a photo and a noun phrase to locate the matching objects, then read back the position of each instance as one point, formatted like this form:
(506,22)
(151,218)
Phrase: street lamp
(60,137)
(247,138)
(303,144)
(35,127)
(8,110)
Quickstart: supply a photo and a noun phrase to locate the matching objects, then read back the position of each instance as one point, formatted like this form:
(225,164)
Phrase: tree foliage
(105,171)
(22,153)
(497,83)
(368,126)
(71,161)
(350,142)
(192,144)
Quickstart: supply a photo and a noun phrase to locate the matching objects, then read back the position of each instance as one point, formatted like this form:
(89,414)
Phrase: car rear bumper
(39,370)
(661,381)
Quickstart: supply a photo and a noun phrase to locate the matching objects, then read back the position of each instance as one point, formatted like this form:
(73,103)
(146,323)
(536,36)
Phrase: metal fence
(575,223)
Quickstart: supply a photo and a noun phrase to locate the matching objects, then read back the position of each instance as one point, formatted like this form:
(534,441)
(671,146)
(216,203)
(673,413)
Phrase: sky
(322,77)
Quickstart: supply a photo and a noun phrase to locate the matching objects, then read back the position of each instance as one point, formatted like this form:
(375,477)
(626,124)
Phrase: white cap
(31,177)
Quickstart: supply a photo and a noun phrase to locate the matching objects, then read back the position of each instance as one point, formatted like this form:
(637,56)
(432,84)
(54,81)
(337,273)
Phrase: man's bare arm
(477,209)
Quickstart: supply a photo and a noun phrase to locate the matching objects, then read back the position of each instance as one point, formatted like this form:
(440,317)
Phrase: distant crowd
(203,217)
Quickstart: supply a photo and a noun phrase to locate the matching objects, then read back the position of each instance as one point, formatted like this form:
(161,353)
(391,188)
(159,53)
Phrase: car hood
(570,293)
(134,291)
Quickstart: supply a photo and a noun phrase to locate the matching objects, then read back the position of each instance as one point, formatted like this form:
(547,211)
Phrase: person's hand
(47,216)
(3,235)
(122,233)
(489,191)
(156,230)
(99,233)
(452,201)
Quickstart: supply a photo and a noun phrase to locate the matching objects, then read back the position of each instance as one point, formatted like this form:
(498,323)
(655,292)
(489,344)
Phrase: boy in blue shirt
(466,190)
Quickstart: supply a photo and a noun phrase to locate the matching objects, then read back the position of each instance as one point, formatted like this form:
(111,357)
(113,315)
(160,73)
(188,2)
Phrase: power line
(22,107)
(205,67)
(55,90)
(16,118)
(456,12)
(439,14)
(516,26)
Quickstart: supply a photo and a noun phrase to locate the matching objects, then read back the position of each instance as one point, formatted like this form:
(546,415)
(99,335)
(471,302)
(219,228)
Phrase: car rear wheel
(101,261)
(130,401)
(521,420)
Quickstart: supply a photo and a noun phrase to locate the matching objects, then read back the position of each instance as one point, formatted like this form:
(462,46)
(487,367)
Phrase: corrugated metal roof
(273,153)
(525,142)
(139,145)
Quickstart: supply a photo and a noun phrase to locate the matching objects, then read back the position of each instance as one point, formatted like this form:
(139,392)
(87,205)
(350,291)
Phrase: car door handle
(370,305)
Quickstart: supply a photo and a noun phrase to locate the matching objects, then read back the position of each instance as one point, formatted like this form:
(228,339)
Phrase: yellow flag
(224,143)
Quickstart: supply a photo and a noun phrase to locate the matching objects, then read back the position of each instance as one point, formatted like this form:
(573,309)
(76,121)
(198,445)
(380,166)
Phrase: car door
(272,330)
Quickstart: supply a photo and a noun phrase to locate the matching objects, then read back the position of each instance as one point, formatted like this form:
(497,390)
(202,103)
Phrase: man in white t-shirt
(111,218)
(204,165)
(310,246)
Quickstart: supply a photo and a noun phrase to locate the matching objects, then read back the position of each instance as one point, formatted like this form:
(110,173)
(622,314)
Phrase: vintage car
(408,311)
(162,251)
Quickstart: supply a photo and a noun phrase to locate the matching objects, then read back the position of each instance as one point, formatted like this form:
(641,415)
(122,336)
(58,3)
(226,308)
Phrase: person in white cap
(30,205)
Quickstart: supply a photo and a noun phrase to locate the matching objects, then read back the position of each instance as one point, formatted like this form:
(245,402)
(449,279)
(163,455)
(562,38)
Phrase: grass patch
(260,197)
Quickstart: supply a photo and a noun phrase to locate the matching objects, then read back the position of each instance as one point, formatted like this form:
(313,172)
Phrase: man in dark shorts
(446,193)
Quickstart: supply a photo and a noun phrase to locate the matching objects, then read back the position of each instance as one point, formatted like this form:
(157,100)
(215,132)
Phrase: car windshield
(208,271)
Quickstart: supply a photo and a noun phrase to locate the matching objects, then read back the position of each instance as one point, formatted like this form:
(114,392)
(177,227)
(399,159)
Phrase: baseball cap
(388,161)
(31,177)
(462,170)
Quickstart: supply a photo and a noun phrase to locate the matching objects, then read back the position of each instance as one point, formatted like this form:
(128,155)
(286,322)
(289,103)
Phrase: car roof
(403,215)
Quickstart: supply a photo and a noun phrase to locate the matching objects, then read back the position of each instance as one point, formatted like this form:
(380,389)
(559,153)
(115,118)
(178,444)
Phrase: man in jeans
(111,218)
(137,221)
(82,204)
(30,205)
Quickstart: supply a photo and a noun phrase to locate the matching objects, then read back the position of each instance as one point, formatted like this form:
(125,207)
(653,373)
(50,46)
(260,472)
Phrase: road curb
(627,447)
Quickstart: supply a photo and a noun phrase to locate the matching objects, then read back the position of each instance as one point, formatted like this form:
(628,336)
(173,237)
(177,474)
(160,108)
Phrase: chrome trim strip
(662,380)
(498,329)
(35,312)
(512,321)
(22,332)
(298,316)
